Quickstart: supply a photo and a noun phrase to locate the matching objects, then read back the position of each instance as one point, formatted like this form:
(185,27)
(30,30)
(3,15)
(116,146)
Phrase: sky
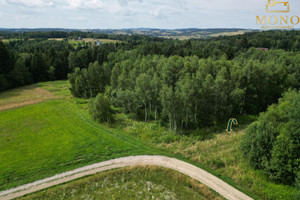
(118,14)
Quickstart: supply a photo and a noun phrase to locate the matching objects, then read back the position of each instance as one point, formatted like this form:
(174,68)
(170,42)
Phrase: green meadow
(54,136)
(58,134)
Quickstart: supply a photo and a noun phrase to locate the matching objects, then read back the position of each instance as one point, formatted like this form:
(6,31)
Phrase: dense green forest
(184,88)
(39,59)
(184,84)
(189,92)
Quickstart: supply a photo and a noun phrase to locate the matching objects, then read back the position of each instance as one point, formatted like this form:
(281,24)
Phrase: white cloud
(80,18)
(133,13)
(229,5)
(86,4)
(124,3)
(158,12)
(32,3)
(2,15)
(110,5)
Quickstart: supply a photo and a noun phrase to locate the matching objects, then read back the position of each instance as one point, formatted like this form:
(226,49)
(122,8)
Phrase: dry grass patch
(24,96)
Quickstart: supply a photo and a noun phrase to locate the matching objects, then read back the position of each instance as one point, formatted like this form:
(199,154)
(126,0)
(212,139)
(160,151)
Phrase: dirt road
(202,176)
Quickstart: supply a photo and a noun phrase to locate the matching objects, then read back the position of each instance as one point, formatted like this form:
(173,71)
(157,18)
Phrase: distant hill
(166,33)
(21,30)
(174,33)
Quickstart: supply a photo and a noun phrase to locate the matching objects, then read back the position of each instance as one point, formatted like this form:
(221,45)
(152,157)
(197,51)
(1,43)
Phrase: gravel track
(202,176)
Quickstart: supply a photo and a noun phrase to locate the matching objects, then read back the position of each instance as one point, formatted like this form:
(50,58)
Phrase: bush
(272,144)
(86,83)
(100,109)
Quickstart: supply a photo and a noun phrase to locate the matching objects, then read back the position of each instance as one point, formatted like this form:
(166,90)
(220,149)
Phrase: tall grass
(131,183)
(219,152)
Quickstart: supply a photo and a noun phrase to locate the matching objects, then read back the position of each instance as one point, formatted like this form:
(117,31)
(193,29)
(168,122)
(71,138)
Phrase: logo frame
(285,3)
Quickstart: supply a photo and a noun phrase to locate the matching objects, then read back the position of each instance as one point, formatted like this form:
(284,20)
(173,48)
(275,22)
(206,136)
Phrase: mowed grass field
(143,182)
(43,139)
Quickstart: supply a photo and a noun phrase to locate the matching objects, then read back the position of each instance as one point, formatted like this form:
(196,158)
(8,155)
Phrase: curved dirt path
(202,176)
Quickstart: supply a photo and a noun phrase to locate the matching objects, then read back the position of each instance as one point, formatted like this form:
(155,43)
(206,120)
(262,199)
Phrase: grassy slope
(56,135)
(43,139)
(130,183)
(220,154)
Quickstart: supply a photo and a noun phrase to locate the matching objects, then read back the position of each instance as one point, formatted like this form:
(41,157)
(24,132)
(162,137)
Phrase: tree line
(25,61)
(189,92)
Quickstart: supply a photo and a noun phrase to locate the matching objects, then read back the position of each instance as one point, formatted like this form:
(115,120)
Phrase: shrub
(100,109)
(86,83)
(272,143)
